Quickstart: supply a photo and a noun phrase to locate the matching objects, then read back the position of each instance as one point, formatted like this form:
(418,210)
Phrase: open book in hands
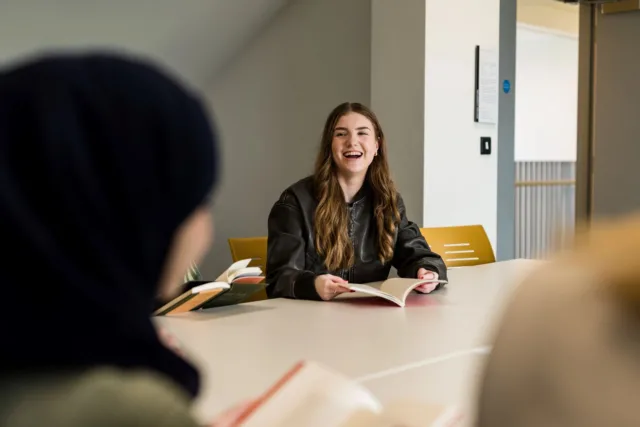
(395,290)
(311,395)
(223,291)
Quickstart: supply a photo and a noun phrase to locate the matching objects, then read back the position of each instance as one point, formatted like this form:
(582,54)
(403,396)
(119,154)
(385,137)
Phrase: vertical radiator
(545,207)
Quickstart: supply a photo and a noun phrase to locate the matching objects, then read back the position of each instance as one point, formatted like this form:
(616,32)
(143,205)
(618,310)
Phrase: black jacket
(293,263)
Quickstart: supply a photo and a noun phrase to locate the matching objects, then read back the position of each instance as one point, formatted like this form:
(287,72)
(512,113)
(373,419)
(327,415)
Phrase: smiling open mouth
(352,154)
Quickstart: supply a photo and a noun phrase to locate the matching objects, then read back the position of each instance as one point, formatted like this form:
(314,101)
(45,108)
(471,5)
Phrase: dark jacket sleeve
(412,252)
(286,276)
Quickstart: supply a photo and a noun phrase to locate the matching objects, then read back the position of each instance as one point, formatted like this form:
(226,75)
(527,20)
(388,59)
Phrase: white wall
(271,103)
(546,105)
(460,184)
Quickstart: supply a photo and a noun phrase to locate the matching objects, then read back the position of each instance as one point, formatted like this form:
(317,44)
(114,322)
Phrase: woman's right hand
(329,286)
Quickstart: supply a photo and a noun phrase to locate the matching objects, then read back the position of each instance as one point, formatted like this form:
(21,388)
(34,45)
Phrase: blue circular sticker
(506,86)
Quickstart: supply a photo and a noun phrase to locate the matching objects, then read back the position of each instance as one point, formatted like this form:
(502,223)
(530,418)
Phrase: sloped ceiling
(194,38)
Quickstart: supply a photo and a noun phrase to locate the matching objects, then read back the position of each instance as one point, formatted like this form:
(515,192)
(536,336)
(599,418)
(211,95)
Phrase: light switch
(485,145)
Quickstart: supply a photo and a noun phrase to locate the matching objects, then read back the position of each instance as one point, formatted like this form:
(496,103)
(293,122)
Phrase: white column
(460,184)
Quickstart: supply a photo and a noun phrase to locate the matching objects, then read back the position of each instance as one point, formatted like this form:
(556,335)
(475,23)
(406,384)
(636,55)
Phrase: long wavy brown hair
(331,220)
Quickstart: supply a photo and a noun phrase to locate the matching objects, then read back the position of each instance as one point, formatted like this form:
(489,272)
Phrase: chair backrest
(251,247)
(460,245)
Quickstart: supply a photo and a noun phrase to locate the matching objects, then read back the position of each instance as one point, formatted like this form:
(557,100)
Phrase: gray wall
(193,39)
(616,137)
(398,93)
(270,104)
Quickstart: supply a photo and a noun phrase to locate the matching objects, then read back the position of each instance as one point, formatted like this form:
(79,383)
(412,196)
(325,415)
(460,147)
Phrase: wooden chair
(460,246)
(251,247)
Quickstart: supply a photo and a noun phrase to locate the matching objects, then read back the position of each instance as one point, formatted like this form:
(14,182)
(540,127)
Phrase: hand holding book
(427,288)
(329,286)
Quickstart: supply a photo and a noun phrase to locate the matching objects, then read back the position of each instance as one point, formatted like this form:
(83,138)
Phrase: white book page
(314,397)
(419,414)
(224,277)
(395,289)
(249,271)
(410,414)
(400,288)
(209,286)
(375,288)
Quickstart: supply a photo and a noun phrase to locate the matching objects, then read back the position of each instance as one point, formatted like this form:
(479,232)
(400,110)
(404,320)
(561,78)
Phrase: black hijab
(102,157)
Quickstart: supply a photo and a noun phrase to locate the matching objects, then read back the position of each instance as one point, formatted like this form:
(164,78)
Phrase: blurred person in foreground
(567,352)
(106,168)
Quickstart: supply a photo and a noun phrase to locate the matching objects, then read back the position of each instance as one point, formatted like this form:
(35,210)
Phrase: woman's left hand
(426,288)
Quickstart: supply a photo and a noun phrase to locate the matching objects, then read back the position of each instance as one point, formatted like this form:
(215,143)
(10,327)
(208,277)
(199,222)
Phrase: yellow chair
(460,246)
(251,247)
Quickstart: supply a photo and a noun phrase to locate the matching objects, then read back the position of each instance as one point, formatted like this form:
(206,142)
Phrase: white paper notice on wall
(487,83)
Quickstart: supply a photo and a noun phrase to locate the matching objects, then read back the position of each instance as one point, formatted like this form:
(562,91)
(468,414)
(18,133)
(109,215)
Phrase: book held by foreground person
(233,286)
(312,395)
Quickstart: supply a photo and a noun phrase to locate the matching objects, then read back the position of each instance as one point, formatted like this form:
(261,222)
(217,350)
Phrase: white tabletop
(241,350)
(449,380)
